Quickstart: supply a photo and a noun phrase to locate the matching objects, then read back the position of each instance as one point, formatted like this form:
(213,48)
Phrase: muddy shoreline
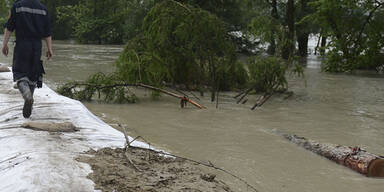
(113,172)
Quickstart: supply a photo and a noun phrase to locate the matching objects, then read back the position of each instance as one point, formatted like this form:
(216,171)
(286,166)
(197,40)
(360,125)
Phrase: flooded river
(339,109)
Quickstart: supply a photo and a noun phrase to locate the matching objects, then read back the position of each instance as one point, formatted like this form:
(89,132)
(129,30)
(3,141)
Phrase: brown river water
(332,108)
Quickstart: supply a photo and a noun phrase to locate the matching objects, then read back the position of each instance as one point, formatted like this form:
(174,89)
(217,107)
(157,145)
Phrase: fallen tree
(85,91)
(355,158)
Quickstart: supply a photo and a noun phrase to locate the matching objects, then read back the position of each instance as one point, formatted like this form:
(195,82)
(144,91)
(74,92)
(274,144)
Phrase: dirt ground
(112,172)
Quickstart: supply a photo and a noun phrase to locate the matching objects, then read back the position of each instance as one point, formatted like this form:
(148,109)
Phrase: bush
(110,87)
(267,74)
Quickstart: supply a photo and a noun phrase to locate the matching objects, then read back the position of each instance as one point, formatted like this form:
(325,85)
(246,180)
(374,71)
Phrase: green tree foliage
(228,11)
(236,15)
(4,9)
(104,21)
(4,12)
(186,45)
(355,31)
(267,75)
(280,24)
(179,44)
(59,30)
(275,25)
(138,64)
(267,26)
(188,40)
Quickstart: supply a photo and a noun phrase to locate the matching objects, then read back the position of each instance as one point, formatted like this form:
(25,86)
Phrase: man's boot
(25,91)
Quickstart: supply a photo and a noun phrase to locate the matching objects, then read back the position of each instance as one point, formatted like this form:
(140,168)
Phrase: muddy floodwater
(332,108)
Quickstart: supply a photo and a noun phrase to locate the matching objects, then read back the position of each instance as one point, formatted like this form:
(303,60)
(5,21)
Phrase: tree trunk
(213,79)
(318,44)
(302,32)
(213,94)
(323,44)
(302,40)
(289,45)
(272,47)
(359,160)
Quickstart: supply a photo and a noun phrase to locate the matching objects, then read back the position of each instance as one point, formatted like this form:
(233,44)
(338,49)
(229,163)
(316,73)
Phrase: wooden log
(183,99)
(355,158)
(241,93)
(242,97)
(261,101)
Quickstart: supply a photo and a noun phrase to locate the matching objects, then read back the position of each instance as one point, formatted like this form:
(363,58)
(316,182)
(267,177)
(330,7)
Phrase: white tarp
(42,161)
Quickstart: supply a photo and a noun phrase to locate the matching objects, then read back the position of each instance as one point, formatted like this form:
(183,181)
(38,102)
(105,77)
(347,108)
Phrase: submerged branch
(243,92)
(262,100)
(244,95)
(99,87)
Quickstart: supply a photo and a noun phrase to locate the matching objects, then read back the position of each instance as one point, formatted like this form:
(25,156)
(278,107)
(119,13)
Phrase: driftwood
(261,101)
(355,158)
(264,98)
(244,94)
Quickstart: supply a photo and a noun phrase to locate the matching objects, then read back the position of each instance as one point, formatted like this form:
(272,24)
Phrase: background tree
(104,21)
(229,11)
(304,28)
(275,25)
(355,31)
(59,30)
(288,47)
(4,12)
(280,25)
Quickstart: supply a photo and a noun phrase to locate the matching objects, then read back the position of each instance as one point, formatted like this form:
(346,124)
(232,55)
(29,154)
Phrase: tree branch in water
(87,93)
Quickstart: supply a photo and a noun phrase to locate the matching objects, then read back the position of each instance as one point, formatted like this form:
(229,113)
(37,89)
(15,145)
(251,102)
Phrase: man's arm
(48,41)
(7,35)
(10,26)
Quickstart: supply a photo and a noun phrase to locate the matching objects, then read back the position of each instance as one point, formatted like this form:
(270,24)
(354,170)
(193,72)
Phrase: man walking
(29,18)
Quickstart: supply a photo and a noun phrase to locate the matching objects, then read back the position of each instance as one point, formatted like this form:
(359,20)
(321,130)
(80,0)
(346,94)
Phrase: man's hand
(49,54)
(7,35)
(5,49)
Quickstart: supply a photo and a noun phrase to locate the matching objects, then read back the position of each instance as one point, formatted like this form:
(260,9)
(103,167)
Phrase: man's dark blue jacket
(30,20)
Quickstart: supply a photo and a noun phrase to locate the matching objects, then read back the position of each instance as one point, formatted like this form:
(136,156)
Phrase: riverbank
(39,153)
(150,172)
